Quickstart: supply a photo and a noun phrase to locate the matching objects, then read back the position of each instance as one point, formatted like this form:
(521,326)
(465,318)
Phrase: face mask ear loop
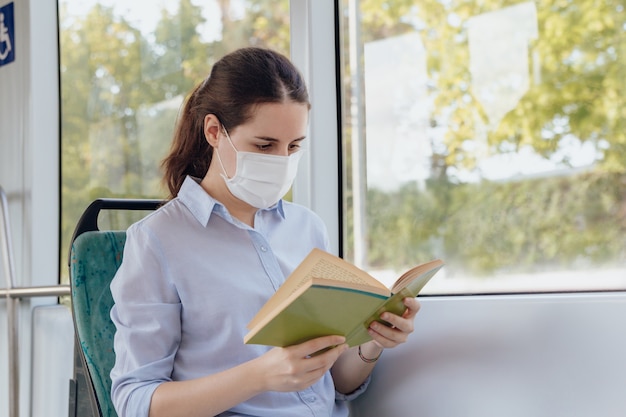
(225,174)
(228,137)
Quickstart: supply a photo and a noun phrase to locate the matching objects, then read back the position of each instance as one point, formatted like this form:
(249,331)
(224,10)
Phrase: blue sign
(7,35)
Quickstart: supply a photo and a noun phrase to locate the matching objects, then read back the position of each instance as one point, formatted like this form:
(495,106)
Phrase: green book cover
(327,295)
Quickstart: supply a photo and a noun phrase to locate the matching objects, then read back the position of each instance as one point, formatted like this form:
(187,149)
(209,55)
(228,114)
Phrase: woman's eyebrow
(270,139)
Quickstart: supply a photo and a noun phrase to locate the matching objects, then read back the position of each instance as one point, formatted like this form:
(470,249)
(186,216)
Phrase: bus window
(125,68)
(491,135)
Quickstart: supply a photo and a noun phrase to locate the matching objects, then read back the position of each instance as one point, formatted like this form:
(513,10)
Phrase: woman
(199,268)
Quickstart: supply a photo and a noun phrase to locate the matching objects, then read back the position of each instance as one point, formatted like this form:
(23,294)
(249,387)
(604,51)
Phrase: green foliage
(121,91)
(579,82)
(547,223)
(576,94)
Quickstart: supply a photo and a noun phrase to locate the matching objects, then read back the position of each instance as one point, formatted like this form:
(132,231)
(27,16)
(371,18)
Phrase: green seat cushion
(95,258)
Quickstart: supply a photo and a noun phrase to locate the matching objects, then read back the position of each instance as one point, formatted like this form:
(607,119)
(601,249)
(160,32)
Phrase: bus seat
(94,258)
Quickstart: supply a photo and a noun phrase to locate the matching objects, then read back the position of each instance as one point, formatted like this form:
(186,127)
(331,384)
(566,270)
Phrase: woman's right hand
(293,368)
(297,367)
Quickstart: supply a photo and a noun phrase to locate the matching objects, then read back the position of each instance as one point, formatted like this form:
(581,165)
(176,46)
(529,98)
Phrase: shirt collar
(202,205)
(279,208)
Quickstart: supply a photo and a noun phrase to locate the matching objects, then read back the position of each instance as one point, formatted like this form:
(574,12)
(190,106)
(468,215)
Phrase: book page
(325,270)
(330,266)
(417,272)
(329,270)
(321,264)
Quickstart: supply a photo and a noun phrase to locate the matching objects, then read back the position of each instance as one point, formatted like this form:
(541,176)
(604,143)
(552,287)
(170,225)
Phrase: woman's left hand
(401,326)
(351,369)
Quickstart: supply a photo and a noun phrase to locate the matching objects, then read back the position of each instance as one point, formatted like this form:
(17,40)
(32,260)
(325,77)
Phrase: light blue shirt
(191,279)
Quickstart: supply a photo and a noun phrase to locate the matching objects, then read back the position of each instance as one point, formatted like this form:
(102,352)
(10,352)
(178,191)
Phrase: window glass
(125,69)
(491,134)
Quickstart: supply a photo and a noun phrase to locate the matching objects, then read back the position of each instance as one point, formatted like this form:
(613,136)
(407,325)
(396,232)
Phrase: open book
(326,295)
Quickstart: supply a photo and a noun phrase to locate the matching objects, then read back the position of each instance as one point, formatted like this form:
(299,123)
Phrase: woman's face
(275,129)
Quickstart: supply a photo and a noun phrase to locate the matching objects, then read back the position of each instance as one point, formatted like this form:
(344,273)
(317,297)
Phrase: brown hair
(237,82)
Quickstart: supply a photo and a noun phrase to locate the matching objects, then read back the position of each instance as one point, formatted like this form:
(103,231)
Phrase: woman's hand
(353,367)
(297,367)
(401,326)
(292,368)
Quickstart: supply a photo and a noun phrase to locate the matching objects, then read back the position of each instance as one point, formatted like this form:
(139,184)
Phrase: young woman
(199,268)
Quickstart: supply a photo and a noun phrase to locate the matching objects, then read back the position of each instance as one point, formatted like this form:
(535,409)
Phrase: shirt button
(311,399)
(263,249)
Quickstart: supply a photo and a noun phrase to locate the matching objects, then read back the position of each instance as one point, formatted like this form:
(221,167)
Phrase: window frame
(314,50)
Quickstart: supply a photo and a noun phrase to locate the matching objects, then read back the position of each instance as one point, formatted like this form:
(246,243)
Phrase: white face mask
(261,180)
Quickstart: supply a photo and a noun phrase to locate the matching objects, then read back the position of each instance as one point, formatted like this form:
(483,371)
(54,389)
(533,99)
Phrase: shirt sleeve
(146,314)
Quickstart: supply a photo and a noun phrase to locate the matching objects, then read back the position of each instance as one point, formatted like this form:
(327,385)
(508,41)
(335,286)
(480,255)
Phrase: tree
(575,95)
(121,90)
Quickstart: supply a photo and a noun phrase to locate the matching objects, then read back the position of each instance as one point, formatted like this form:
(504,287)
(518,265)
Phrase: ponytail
(190,153)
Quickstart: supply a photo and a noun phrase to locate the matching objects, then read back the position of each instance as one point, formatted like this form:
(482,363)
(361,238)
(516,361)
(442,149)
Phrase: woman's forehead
(278,120)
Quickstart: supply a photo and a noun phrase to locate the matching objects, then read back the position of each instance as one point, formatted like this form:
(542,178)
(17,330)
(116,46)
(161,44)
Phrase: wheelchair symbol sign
(7,35)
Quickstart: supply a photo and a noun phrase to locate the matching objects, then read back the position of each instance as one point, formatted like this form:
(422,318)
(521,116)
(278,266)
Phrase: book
(326,295)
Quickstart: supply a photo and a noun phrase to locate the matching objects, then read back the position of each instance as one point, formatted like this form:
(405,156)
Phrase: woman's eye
(264,147)
(294,146)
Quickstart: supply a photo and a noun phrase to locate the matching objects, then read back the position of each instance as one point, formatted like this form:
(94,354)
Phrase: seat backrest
(95,257)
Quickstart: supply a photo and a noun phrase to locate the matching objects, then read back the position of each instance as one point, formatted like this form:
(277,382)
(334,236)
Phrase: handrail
(30,292)
(13,295)
(9,272)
